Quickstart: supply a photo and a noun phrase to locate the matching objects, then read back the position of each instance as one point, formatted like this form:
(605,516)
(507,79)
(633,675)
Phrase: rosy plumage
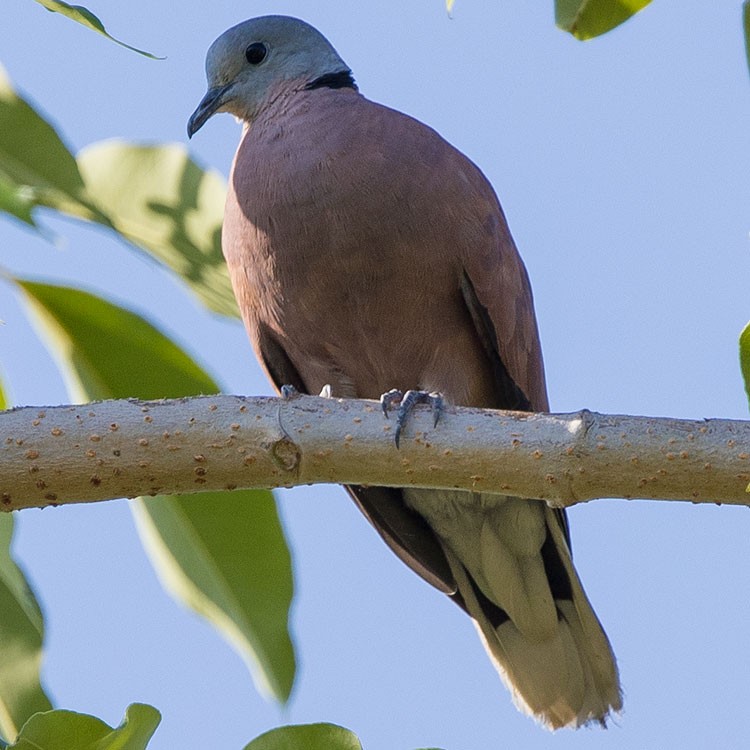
(366,253)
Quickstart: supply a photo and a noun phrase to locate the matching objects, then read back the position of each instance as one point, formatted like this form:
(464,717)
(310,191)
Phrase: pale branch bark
(109,449)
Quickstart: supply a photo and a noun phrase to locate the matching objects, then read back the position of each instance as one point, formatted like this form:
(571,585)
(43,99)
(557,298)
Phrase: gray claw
(390,399)
(409,401)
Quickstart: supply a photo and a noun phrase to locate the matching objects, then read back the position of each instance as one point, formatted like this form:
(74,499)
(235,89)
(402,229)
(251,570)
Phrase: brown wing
(497,292)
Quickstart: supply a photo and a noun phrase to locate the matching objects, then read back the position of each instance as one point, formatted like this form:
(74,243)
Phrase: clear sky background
(622,165)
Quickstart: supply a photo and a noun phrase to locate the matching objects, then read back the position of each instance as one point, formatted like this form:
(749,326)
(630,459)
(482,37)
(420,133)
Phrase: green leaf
(67,730)
(745,357)
(107,351)
(746,27)
(21,635)
(306,737)
(3,398)
(163,202)
(16,201)
(224,555)
(36,168)
(86,18)
(585,19)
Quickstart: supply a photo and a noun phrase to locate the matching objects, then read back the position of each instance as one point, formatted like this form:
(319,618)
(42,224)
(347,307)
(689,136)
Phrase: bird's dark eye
(256,53)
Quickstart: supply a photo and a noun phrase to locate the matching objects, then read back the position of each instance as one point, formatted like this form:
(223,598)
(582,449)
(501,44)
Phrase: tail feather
(514,573)
(583,620)
(524,593)
(567,680)
(525,666)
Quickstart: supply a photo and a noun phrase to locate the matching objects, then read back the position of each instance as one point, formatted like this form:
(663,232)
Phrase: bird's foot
(390,399)
(407,401)
(289,392)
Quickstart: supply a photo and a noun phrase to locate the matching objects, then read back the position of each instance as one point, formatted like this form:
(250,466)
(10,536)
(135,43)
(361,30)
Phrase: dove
(368,254)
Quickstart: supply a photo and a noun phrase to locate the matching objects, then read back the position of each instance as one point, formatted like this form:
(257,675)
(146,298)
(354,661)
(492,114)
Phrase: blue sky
(622,165)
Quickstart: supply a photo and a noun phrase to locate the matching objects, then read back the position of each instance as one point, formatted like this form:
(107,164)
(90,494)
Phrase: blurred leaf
(585,19)
(3,398)
(224,555)
(16,201)
(307,737)
(86,18)
(449,5)
(745,357)
(32,152)
(21,635)
(746,27)
(109,352)
(67,730)
(163,202)
(36,168)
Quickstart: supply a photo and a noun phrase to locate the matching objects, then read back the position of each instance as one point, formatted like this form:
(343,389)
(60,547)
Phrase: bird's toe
(407,402)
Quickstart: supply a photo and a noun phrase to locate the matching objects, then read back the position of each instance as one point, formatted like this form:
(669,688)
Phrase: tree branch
(109,449)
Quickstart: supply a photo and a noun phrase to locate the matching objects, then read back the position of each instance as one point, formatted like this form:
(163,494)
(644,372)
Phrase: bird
(368,255)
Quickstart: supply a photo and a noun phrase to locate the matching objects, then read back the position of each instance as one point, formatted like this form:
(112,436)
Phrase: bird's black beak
(211,102)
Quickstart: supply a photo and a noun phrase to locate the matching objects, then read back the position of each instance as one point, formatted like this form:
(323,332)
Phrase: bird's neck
(341,79)
(289,102)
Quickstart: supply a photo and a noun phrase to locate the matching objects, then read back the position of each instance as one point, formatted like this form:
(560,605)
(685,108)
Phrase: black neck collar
(341,79)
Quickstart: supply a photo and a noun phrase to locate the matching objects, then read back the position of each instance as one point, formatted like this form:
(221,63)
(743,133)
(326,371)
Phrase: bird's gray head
(255,58)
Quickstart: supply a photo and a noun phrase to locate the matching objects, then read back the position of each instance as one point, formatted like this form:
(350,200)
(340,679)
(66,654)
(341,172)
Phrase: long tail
(512,564)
